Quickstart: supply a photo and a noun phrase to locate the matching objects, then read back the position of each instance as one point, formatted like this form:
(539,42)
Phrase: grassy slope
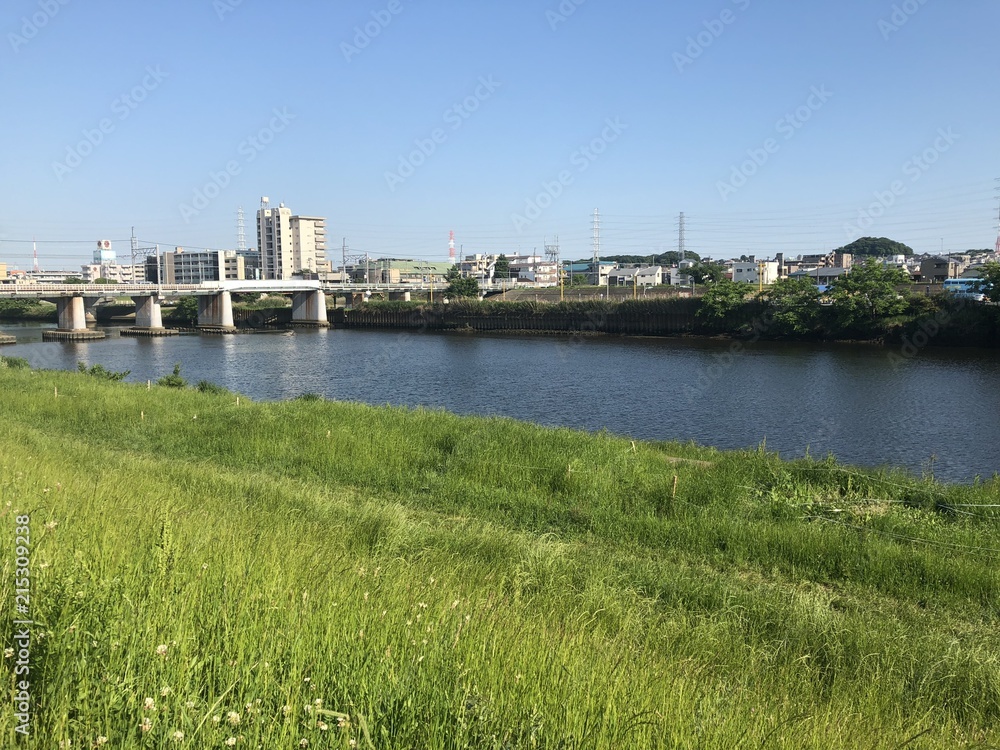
(468,582)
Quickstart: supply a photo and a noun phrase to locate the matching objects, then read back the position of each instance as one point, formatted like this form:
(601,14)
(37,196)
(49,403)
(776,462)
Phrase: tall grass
(411,579)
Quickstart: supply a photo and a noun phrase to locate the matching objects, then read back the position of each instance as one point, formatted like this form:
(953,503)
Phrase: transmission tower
(597,246)
(681,250)
(998,217)
(241,233)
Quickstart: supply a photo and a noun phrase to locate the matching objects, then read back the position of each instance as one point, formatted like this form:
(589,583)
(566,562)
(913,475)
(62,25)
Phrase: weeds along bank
(329,572)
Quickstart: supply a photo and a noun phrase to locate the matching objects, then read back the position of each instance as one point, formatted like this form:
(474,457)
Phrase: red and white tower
(451,247)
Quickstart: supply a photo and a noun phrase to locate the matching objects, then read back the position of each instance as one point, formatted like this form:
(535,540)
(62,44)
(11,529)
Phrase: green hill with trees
(876,247)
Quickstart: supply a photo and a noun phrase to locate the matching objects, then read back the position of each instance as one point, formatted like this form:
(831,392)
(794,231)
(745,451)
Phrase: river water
(938,410)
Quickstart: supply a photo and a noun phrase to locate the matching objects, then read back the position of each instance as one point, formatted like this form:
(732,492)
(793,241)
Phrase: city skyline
(792,129)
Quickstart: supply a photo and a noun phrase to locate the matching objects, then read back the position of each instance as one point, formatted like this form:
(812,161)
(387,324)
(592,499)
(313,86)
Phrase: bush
(206,386)
(173,381)
(99,371)
(309,397)
(14,363)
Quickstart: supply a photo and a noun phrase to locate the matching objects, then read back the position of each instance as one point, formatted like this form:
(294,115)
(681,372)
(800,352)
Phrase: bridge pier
(148,318)
(403,296)
(309,309)
(215,313)
(72,322)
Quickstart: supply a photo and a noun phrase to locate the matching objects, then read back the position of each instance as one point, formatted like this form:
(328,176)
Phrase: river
(937,411)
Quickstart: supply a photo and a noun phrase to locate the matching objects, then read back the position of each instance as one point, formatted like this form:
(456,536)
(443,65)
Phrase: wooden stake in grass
(142,416)
(673,495)
(56,391)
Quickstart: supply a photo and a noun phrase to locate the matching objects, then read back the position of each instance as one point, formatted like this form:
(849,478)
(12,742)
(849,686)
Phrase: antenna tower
(552,255)
(241,232)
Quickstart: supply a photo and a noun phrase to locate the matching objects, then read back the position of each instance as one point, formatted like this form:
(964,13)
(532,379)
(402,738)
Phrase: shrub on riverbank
(277,565)
(26,309)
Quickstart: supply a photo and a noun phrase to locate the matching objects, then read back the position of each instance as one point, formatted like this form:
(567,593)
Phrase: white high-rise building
(290,244)
(309,244)
(274,238)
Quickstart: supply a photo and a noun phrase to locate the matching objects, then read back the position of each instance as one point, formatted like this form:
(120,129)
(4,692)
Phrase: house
(820,276)
(636,276)
(937,268)
(755,272)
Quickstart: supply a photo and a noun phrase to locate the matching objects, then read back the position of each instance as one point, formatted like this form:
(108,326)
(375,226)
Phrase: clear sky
(775,126)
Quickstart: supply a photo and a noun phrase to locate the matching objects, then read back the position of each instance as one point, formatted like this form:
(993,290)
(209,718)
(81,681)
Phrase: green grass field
(317,574)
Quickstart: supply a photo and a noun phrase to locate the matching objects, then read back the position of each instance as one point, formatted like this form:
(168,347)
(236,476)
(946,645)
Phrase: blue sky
(790,127)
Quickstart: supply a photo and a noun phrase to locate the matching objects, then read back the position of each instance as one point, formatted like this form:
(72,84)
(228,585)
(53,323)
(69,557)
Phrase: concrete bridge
(215,303)
(75,302)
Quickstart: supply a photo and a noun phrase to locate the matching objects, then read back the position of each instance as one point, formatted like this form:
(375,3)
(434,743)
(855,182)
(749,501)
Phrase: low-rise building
(114,272)
(820,276)
(636,276)
(755,272)
(183,267)
(937,268)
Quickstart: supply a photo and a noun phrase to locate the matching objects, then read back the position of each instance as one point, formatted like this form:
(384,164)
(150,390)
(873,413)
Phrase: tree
(460,286)
(876,247)
(501,269)
(72,280)
(706,273)
(186,311)
(102,280)
(794,305)
(867,295)
(578,279)
(991,281)
(722,298)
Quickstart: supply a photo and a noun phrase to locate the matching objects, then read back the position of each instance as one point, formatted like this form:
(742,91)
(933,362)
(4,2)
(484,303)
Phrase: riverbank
(283,562)
(929,321)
